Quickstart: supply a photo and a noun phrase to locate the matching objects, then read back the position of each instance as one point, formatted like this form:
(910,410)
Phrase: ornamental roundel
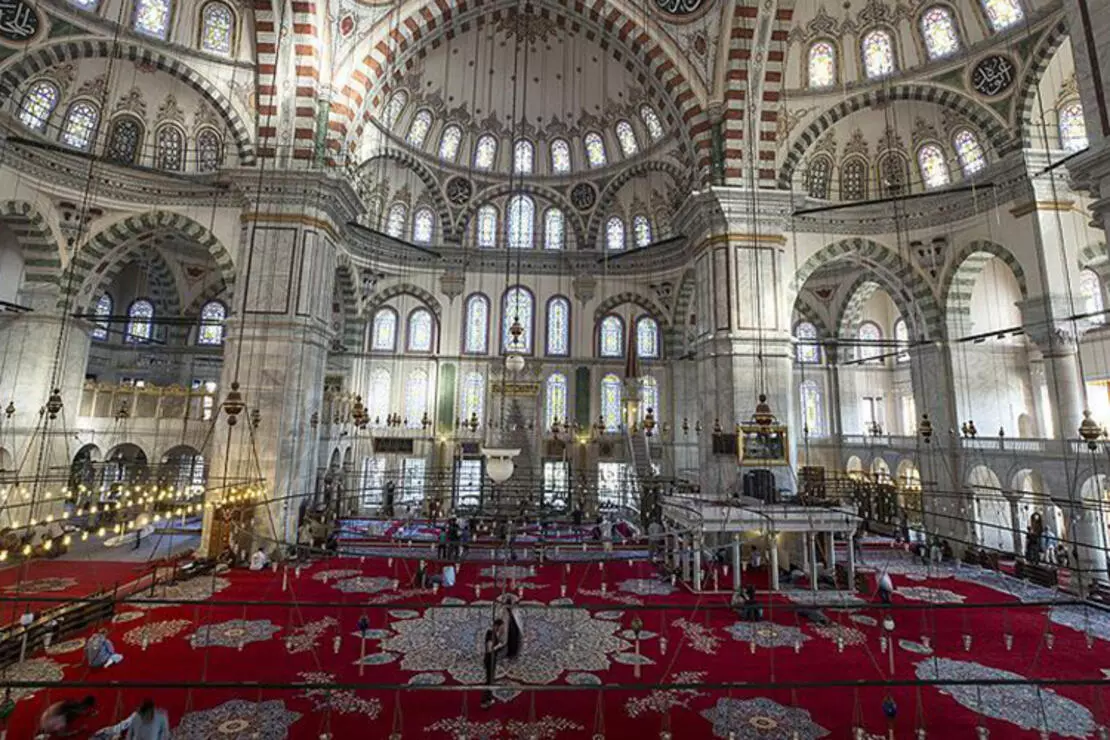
(993,75)
(682,10)
(583,196)
(19,22)
(458,190)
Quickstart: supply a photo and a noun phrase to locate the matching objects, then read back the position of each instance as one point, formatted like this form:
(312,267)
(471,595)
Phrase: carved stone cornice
(328,194)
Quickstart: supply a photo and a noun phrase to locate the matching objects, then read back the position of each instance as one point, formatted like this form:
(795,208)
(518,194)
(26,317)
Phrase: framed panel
(721,285)
(274,250)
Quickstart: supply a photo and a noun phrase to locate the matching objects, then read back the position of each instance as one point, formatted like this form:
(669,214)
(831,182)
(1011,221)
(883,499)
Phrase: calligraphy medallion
(993,75)
(19,23)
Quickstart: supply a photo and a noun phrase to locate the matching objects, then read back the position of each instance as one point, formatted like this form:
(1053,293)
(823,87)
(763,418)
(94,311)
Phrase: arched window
(523,155)
(649,397)
(85,4)
(485,152)
(449,142)
(1090,290)
(934,170)
(1002,14)
(878,54)
(473,399)
(521,222)
(395,220)
(902,340)
(383,335)
(393,108)
(1073,127)
(152,18)
(938,28)
(651,122)
(209,151)
(806,349)
(869,335)
(610,340)
(124,139)
(170,149)
(211,329)
(647,338)
(217,28)
(381,388)
(614,234)
(611,403)
(416,398)
(818,175)
(560,157)
(38,104)
(558,327)
(140,321)
(626,137)
(103,311)
(969,152)
(641,230)
(418,129)
(79,125)
(476,337)
(518,306)
(555,400)
(486,227)
(822,64)
(894,173)
(423,223)
(554,229)
(595,149)
(853,179)
(420,331)
(813,421)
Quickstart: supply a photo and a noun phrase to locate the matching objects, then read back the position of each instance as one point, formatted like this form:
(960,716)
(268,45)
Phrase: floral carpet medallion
(544,728)
(915,647)
(840,633)
(41,586)
(341,701)
(42,670)
(238,720)
(698,636)
(822,598)
(406,594)
(125,617)
(155,632)
(662,701)
(335,574)
(555,641)
(931,595)
(864,619)
(462,728)
(611,596)
(66,646)
(1020,704)
(767,634)
(646,587)
(427,679)
(305,637)
(196,589)
(507,572)
(761,719)
(233,633)
(581,678)
(365,584)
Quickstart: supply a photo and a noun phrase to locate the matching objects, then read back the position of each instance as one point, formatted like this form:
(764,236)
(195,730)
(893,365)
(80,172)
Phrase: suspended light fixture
(499,463)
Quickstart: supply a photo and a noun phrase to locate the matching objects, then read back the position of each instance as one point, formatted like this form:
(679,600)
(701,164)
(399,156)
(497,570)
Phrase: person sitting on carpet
(64,718)
(148,722)
(259,560)
(751,611)
(99,651)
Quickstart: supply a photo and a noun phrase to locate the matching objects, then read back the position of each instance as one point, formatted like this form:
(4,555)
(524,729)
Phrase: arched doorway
(183,468)
(854,468)
(908,484)
(125,463)
(994,528)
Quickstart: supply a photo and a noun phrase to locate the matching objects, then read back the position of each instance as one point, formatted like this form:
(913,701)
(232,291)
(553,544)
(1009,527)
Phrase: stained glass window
(902,339)
(869,336)
(423,224)
(152,17)
(626,137)
(209,151)
(123,140)
(418,129)
(38,104)
(611,337)
(140,321)
(595,149)
(806,349)
(812,418)
(649,397)
(893,173)
(853,179)
(555,400)
(611,403)
(420,331)
(651,122)
(818,174)
(522,222)
(381,388)
(449,143)
(103,312)
(395,220)
(211,329)
(517,307)
(1073,127)
(383,335)
(560,157)
(878,54)
(485,152)
(218,28)
(1090,290)
(80,123)
(394,107)
(934,170)
(647,337)
(473,398)
(1002,13)
(476,339)
(641,231)
(486,227)
(938,28)
(170,149)
(614,234)
(85,4)
(969,151)
(558,326)
(822,64)
(554,229)
(523,156)
(416,398)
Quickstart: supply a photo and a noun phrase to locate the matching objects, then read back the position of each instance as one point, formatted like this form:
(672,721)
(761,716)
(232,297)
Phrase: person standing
(148,722)
(886,587)
(490,647)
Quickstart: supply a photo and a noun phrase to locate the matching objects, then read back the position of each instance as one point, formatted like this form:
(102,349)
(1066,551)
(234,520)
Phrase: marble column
(851,561)
(736,563)
(697,564)
(774,564)
(811,544)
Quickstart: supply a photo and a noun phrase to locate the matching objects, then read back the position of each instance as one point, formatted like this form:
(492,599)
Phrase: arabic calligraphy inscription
(993,76)
(18,21)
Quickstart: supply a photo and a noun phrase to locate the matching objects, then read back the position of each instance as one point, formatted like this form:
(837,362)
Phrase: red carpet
(60,578)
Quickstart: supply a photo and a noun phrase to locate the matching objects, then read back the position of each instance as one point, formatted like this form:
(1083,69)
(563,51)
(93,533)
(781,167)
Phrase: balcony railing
(108,401)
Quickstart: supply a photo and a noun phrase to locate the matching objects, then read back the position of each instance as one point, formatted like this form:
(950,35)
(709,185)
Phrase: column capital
(1047,326)
(740,214)
(321,195)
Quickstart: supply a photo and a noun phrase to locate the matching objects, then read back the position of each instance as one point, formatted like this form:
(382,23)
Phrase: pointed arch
(427,179)
(429,300)
(42,251)
(653,309)
(1038,60)
(959,279)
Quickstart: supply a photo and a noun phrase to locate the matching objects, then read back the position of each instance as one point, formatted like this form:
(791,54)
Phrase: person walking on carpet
(490,647)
